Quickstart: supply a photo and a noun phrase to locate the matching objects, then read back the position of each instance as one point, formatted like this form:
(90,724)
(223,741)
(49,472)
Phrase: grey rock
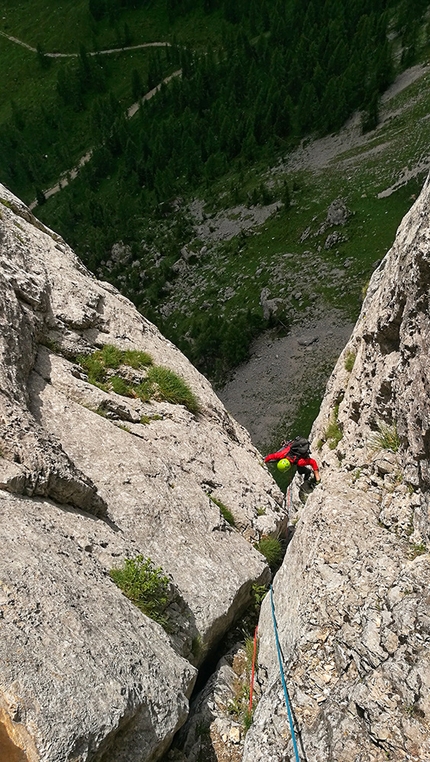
(121,254)
(338,212)
(351,598)
(87,674)
(333,239)
(306,342)
(270,306)
(216,714)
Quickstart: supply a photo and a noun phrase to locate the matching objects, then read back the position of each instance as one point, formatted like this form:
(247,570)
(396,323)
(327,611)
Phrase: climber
(297,453)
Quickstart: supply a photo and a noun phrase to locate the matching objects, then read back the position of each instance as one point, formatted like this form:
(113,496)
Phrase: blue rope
(284,685)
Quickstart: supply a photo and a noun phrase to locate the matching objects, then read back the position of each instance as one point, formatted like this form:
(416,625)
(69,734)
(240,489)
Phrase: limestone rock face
(88,478)
(351,600)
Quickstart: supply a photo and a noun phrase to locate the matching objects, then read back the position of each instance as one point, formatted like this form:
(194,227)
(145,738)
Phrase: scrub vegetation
(257,79)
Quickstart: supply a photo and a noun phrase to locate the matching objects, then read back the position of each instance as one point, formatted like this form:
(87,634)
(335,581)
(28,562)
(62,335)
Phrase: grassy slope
(355,174)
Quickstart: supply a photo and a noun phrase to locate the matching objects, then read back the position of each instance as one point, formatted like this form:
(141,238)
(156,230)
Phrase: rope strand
(284,684)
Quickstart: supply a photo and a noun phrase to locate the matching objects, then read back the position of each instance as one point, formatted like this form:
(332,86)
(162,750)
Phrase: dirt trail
(90,53)
(66,177)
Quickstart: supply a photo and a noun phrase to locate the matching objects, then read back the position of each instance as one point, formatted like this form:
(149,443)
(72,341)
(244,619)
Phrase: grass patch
(333,432)
(159,383)
(119,386)
(145,585)
(418,549)
(271,548)
(146,419)
(225,512)
(168,386)
(385,438)
(349,361)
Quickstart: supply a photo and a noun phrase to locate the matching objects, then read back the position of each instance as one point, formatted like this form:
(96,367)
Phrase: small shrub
(145,585)
(271,549)
(349,361)
(172,388)
(225,512)
(259,593)
(261,510)
(386,438)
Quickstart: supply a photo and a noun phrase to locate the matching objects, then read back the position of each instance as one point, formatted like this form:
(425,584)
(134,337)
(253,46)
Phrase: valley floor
(284,374)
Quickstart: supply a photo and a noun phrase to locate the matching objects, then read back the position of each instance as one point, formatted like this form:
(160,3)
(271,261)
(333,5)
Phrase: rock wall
(351,599)
(88,478)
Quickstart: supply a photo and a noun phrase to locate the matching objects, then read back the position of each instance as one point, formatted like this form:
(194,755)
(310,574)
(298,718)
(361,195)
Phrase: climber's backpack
(297,448)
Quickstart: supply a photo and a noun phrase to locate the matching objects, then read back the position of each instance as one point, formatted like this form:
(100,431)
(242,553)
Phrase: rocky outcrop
(89,477)
(351,599)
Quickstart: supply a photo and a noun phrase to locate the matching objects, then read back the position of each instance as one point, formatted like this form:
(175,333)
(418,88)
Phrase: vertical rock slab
(351,598)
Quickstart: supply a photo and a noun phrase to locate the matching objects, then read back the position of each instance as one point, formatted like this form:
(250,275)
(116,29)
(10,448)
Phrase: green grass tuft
(119,386)
(385,438)
(333,432)
(135,359)
(349,361)
(111,356)
(418,550)
(172,388)
(145,585)
(160,383)
(225,512)
(271,549)
(94,367)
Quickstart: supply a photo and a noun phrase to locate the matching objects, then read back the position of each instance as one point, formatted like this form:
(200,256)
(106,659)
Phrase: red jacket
(284,454)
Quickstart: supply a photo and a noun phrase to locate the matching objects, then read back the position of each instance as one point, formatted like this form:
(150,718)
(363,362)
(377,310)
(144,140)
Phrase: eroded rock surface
(351,600)
(87,478)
